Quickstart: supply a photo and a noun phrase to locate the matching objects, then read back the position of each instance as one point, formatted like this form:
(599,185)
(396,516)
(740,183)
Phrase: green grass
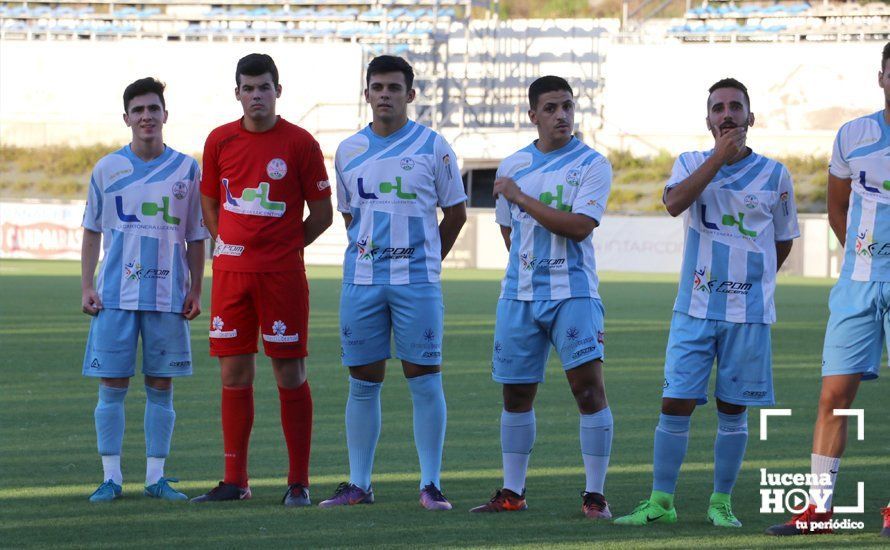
(49,466)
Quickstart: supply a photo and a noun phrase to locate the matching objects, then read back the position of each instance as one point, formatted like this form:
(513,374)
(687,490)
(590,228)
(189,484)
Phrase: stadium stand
(784,21)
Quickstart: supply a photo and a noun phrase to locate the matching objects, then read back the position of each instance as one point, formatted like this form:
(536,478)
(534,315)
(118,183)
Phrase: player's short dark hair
(546,84)
(730,83)
(885,55)
(147,85)
(256,64)
(390,64)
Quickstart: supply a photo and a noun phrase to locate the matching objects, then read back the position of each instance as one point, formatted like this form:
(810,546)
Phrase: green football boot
(650,511)
(720,512)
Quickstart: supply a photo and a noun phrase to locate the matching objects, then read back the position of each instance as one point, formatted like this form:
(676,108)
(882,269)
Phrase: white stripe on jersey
(868,215)
(525,290)
(701,298)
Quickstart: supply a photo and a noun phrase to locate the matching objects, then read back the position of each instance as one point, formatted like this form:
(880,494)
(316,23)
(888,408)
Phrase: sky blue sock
(518,432)
(729,450)
(430,417)
(109,415)
(159,420)
(596,448)
(362,429)
(671,439)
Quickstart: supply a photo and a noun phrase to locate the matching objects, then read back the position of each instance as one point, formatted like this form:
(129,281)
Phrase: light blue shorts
(111,345)
(858,328)
(525,330)
(743,354)
(414,313)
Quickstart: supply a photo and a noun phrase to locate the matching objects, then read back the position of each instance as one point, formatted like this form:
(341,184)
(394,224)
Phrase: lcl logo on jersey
(254,201)
(148,209)
(549,198)
(385,187)
(729,221)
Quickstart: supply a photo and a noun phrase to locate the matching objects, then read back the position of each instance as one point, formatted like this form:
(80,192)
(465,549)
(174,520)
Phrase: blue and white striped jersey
(729,257)
(543,265)
(862,154)
(146,212)
(391,186)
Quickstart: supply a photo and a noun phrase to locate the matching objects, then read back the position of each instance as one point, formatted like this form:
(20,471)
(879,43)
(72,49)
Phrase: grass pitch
(49,466)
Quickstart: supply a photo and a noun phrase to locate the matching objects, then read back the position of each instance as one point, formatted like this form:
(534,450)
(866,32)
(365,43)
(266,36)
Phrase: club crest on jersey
(216,329)
(573,177)
(179,189)
(254,201)
(276,169)
(751,201)
(278,334)
(407,164)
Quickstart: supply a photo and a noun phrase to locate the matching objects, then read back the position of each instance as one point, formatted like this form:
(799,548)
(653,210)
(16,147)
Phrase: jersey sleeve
(449,185)
(194,225)
(785,210)
(210,169)
(838,166)
(92,214)
(343,199)
(593,191)
(679,172)
(502,213)
(313,174)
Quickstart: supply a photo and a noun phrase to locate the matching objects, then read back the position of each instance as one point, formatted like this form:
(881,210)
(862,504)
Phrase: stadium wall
(645,244)
(70,93)
(652,95)
(801,93)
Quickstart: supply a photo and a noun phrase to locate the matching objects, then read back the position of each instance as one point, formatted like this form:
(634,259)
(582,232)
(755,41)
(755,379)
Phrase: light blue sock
(362,429)
(671,440)
(518,432)
(596,448)
(109,415)
(430,417)
(729,449)
(159,420)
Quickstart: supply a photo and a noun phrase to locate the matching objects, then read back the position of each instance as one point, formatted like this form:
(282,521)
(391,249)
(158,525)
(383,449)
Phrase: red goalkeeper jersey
(261,181)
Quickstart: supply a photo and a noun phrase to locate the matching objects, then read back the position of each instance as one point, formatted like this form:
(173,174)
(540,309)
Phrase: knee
(161,384)
(834,398)
(518,400)
(729,408)
(589,397)
(677,407)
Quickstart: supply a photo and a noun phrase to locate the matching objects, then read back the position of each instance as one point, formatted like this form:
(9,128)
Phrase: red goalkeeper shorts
(244,306)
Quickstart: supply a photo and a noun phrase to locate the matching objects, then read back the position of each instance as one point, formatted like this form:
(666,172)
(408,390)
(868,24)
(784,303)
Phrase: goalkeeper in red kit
(259,171)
